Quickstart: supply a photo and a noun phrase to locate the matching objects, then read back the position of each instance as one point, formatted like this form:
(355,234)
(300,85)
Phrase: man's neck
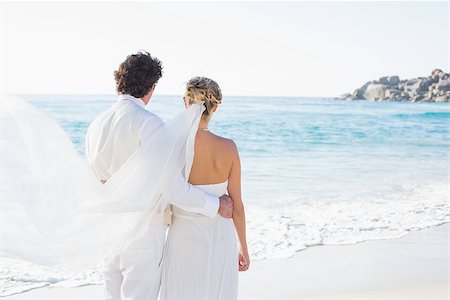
(145,100)
(147,97)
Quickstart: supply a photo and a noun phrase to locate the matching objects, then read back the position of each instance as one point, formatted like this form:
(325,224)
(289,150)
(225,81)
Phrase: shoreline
(414,266)
(393,269)
(371,240)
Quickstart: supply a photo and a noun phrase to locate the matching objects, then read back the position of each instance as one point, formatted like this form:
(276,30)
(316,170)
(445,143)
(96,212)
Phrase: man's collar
(138,101)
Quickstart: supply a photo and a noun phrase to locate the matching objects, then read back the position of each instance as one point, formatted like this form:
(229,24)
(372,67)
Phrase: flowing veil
(55,212)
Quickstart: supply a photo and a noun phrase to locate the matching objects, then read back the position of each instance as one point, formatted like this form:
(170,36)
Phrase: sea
(315,171)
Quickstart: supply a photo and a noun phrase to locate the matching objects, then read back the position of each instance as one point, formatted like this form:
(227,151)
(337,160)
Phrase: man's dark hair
(137,74)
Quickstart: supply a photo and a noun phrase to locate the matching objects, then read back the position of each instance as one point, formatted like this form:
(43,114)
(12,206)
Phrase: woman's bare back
(213,158)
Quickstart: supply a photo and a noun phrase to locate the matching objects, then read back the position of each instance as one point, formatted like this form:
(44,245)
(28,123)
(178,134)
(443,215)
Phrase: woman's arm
(234,189)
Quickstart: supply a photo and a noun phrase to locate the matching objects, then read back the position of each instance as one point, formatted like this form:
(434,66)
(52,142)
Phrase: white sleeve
(148,128)
(186,196)
(182,194)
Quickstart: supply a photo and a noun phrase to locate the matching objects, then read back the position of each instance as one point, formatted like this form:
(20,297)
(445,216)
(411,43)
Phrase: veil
(55,212)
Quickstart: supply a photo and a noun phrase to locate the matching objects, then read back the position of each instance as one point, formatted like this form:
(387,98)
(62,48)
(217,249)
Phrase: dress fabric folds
(201,255)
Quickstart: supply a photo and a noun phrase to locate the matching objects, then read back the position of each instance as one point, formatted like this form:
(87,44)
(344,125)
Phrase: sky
(320,49)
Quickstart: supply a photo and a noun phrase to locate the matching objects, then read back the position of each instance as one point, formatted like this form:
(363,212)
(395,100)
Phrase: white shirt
(114,135)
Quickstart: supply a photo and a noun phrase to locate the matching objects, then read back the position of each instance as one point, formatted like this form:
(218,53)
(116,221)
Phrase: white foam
(277,231)
(284,227)
(18,276)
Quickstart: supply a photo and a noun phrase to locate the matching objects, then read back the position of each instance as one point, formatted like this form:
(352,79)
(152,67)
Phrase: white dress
(201,255)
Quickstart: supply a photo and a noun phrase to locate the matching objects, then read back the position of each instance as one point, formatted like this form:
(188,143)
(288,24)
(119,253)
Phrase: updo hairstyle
(204,91)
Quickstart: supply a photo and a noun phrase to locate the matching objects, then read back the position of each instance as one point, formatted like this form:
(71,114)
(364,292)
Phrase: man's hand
(226,206)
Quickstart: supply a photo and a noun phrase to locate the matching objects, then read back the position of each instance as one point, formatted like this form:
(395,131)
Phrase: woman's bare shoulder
(228,145)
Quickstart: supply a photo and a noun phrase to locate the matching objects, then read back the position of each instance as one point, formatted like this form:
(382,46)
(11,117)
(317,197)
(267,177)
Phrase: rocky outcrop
(433,88)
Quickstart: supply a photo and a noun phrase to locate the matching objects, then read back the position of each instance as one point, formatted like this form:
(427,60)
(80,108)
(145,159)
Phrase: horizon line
(166,95)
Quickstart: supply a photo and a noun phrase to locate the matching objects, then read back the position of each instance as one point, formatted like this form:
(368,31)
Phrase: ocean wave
(426,115)
(302,224)
(279,231)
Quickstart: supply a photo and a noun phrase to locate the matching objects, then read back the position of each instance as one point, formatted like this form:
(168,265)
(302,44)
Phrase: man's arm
(188,197)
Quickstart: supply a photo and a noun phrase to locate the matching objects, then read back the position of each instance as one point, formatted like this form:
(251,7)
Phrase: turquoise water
(316,171)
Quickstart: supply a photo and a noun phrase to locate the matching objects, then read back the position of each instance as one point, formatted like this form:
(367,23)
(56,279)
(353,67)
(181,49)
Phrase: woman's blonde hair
(203,90)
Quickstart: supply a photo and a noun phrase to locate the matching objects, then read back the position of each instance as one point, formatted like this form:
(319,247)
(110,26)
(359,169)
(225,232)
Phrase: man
(111,140)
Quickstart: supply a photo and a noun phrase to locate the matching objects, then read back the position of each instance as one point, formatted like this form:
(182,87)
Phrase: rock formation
(434,88)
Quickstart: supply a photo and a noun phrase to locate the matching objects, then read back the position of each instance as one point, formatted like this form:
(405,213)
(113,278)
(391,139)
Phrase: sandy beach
(415,266)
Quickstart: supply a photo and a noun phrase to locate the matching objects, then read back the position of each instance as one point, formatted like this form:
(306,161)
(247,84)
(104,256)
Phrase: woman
(202,259)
